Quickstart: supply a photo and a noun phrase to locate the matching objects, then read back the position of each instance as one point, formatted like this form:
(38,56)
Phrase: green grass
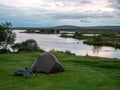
(81,73)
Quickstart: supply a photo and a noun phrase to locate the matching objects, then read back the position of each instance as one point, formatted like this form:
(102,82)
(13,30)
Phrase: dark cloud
(73,2)
(118,1)
(114,4)
(80,15)
(84,21)
(85,1)
(82,1)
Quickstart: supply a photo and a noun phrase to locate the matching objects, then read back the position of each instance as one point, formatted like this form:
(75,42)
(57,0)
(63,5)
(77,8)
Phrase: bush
(78,35)
(63,35)
(68,52)
(4,51)
(28,45)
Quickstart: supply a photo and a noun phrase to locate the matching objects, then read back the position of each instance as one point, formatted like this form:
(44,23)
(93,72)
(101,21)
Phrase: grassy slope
(81,73)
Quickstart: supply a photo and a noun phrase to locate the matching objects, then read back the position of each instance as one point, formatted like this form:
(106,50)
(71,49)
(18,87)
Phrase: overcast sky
(44,13)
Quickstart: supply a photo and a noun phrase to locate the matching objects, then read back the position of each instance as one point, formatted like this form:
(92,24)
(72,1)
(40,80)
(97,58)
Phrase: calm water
(49,42)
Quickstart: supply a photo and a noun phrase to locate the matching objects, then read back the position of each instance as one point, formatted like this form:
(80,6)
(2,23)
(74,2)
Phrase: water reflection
(53,41)
(96,49)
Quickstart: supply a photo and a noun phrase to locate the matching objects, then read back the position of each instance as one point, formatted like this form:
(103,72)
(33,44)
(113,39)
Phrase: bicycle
(24,73)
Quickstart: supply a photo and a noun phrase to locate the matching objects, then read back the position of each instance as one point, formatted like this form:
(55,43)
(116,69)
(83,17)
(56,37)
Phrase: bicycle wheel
(13,74)
(28,75)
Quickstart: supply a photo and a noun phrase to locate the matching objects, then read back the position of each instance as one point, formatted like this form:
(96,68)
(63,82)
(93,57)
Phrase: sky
(46,13)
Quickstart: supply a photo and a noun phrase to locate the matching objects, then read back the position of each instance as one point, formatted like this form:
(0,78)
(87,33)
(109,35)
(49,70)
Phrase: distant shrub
(105,34)
(97,38)
(68,52)
(63,35)
(28,45)
(4,51)
(78,35)
(30,31)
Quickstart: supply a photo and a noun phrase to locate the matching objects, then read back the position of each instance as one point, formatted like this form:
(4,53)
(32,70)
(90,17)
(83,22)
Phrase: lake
(49,42)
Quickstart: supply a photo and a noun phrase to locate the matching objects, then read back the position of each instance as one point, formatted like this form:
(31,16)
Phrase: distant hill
(70,27)
(66,27)
(105,27)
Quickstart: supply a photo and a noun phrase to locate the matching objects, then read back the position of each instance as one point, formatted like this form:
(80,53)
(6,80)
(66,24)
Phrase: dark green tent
(47,63)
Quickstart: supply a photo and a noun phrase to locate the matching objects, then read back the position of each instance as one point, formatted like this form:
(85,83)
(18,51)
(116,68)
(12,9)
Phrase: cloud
(85,21)
(52,12)
(115,1)
(115,4)
(95,15)
(72,2)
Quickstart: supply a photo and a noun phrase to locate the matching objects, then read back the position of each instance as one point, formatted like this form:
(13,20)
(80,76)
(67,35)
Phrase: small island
(100,36)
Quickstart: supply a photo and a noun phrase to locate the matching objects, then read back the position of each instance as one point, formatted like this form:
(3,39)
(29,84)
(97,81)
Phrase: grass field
(81,73)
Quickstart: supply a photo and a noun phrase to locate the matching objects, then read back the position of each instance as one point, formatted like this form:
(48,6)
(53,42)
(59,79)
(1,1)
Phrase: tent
(46,63)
